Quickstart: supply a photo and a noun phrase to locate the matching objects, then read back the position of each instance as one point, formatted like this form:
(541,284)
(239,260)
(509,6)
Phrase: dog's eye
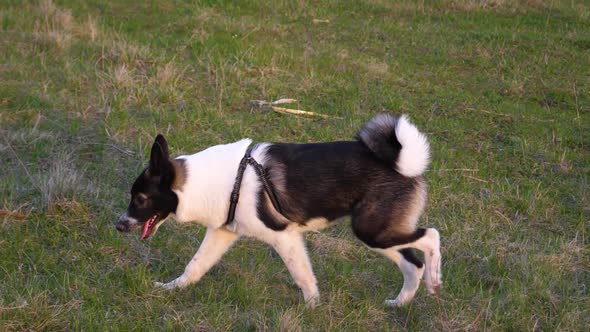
(141,200)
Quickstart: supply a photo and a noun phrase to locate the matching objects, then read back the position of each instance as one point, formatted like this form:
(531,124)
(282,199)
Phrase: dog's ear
(160,156)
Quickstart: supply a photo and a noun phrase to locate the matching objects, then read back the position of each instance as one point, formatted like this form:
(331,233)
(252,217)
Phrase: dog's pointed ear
(160,156)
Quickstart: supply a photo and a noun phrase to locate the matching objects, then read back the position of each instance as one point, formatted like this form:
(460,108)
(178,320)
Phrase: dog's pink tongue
(146,230)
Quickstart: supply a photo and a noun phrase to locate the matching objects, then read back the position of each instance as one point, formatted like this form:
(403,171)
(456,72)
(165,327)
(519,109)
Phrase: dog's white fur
(414,156)
(204,198)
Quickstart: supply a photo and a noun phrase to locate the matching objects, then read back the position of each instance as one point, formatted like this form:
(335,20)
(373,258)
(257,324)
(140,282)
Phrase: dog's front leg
(291,248)
(217,242)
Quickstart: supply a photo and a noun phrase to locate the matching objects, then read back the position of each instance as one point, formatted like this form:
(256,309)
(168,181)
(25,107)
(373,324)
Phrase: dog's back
(327,180)
(376,179)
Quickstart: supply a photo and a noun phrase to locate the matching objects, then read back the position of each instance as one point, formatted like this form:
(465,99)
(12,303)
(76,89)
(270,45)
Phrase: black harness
(235,194)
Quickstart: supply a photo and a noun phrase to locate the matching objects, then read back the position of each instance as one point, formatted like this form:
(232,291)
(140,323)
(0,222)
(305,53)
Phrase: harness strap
(235,194)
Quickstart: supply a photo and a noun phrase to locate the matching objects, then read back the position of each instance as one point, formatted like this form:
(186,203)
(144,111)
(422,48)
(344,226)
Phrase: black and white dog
(376,179)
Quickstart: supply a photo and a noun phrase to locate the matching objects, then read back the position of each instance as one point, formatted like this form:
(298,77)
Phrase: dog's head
(152,198)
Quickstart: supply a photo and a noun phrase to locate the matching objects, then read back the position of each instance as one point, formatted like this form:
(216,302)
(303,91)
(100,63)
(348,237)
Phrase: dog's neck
(209,179)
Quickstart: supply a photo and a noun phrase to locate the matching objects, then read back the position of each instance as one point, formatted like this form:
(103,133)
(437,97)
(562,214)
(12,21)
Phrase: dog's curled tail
(395,140)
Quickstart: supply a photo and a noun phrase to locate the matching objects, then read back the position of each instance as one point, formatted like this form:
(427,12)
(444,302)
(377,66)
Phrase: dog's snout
(124,223)
(122,227)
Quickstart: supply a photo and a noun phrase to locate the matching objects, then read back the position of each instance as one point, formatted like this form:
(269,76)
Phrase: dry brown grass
(376,68)
(59,27)
(167,76)
(122,77)
(326,245)
(90,28)
(479,5)
(473,5)
(573,256)
(62,182)
(56,25)
(290,321)
(41,310)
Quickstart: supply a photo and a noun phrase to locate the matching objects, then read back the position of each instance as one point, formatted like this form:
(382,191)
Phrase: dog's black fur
(332,180)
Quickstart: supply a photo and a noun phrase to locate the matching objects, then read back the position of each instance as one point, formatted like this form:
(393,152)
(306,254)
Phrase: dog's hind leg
(389,226)
(426,240)
(412,269)
(291,247)
(430,245)
(217,242)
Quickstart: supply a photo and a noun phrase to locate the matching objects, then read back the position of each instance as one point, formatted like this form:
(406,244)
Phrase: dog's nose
(122,227)
(122,223)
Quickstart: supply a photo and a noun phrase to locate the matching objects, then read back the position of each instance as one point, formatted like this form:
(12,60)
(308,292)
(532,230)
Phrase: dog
(286,189)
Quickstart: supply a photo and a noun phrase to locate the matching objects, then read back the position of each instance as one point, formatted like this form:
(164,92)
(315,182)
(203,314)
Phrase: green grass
(501,88)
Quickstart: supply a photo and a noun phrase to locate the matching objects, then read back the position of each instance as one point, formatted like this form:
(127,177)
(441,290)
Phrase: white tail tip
(414,156)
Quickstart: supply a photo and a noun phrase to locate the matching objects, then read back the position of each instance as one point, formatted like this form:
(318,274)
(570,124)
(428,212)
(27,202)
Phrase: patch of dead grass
(42,313)
(26,136)
(55,26)
(122,77)
(326,245)
(130,73)
(120,51)
(290,321)
(90,28)
(202,326)
(12,216)
(168,76)
(473,5)
(570,256)
(478,5)
(69,208)
(166,73)
(376,68)
(62,181)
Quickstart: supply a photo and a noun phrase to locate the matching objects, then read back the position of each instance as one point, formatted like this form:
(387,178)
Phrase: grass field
(501,88)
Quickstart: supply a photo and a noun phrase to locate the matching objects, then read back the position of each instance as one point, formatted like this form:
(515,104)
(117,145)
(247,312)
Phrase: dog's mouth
(151,226)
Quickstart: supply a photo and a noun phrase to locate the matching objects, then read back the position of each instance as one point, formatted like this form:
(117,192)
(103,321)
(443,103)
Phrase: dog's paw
(312,301)
(404,297)
(393,303)
(434,289)
(397,302)
(166,286)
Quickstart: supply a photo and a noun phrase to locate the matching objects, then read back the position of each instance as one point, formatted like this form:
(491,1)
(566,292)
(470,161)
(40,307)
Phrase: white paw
(312,301)
(434,287)
(434,284)
(166,286)
(402,299)
(394,303)
(433,261)
(433,279)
